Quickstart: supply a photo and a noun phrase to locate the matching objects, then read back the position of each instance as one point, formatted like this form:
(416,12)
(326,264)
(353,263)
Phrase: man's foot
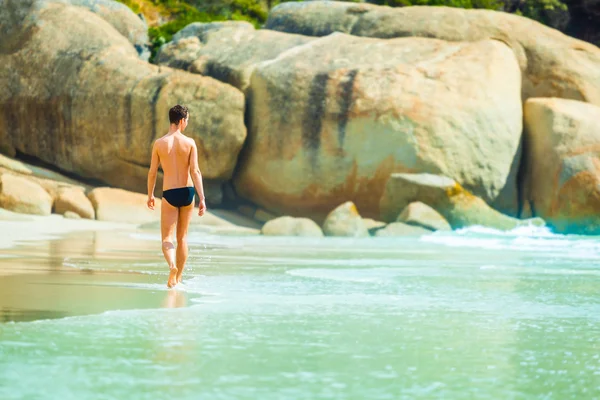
(172,277)
(180,275)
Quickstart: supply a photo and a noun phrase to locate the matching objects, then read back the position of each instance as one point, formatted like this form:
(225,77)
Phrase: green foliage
(487,4)
(549,12)
(180,13)
(135,7)
(247,10)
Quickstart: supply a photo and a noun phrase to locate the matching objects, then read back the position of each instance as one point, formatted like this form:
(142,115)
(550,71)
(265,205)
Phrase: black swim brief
(180,197)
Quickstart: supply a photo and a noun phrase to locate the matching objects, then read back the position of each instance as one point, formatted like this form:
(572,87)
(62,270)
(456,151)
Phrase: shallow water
(474,314)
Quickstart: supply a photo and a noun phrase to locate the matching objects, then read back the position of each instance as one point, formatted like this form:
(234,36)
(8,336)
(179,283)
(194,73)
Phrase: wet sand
(59,271)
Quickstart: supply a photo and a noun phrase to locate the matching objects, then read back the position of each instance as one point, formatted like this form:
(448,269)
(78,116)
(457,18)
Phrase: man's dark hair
(178,113)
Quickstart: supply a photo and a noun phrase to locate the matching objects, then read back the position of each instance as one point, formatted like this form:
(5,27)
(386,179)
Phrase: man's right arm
(197,177)
(152,172)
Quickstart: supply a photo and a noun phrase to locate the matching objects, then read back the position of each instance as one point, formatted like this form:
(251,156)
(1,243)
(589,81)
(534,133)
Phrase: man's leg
(185,215)
(168,219)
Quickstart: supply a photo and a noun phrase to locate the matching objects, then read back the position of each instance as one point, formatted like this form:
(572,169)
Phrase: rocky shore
(335,119)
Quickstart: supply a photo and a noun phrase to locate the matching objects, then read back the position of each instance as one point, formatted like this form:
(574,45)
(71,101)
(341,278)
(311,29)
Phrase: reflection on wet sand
(174,299)
(80,274)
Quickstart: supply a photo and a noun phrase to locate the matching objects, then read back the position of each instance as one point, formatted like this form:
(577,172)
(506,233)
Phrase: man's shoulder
(189,140)
(160,140)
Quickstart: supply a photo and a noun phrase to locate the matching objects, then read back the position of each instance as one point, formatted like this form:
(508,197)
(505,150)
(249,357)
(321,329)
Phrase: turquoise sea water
(474,314)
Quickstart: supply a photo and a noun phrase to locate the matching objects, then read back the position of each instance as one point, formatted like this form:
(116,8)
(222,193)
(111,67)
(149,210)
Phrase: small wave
(525,230)
(525,238)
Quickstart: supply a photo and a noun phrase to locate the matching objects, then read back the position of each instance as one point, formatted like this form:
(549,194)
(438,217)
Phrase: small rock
(24,196)
(14,165)
(420,214)
(71,215)
(373,226)
(457,205)
(74,200)
(290,226)
(345,221)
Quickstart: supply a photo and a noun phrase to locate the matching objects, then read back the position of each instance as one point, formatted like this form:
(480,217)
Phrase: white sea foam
(526,238)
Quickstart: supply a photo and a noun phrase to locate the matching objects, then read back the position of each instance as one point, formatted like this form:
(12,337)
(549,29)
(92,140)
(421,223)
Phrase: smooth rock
(373,226)
(345,221)
(74,200)
(290,226)
(420,214)
(14,165)
(21,195)
(81,86)
(457,205)
(122,18)
(229,52)
(552,63)
(71,215)
(562,179)
(332,119)
(202,30)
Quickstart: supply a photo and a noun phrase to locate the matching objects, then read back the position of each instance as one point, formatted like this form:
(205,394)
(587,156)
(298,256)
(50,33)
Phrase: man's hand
(201,208)
(150,203)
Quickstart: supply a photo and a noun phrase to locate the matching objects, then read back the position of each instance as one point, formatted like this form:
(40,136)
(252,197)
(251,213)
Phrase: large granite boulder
(331,120)
(227,51)
(290,226)
(345,220)
(21,195)
(76,96)
(562,179)
(553,64)
(122,18)
(457,205)
(202,30)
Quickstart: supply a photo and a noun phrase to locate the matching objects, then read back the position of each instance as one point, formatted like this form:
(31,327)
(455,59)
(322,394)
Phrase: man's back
(174,154)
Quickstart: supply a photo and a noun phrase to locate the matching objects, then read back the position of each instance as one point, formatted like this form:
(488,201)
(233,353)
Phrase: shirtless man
(178,156)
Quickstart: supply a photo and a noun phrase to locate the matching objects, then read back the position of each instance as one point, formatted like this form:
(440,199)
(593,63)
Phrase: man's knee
(181,239)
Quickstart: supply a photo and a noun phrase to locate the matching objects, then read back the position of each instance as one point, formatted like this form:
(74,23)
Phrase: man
(178,156)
